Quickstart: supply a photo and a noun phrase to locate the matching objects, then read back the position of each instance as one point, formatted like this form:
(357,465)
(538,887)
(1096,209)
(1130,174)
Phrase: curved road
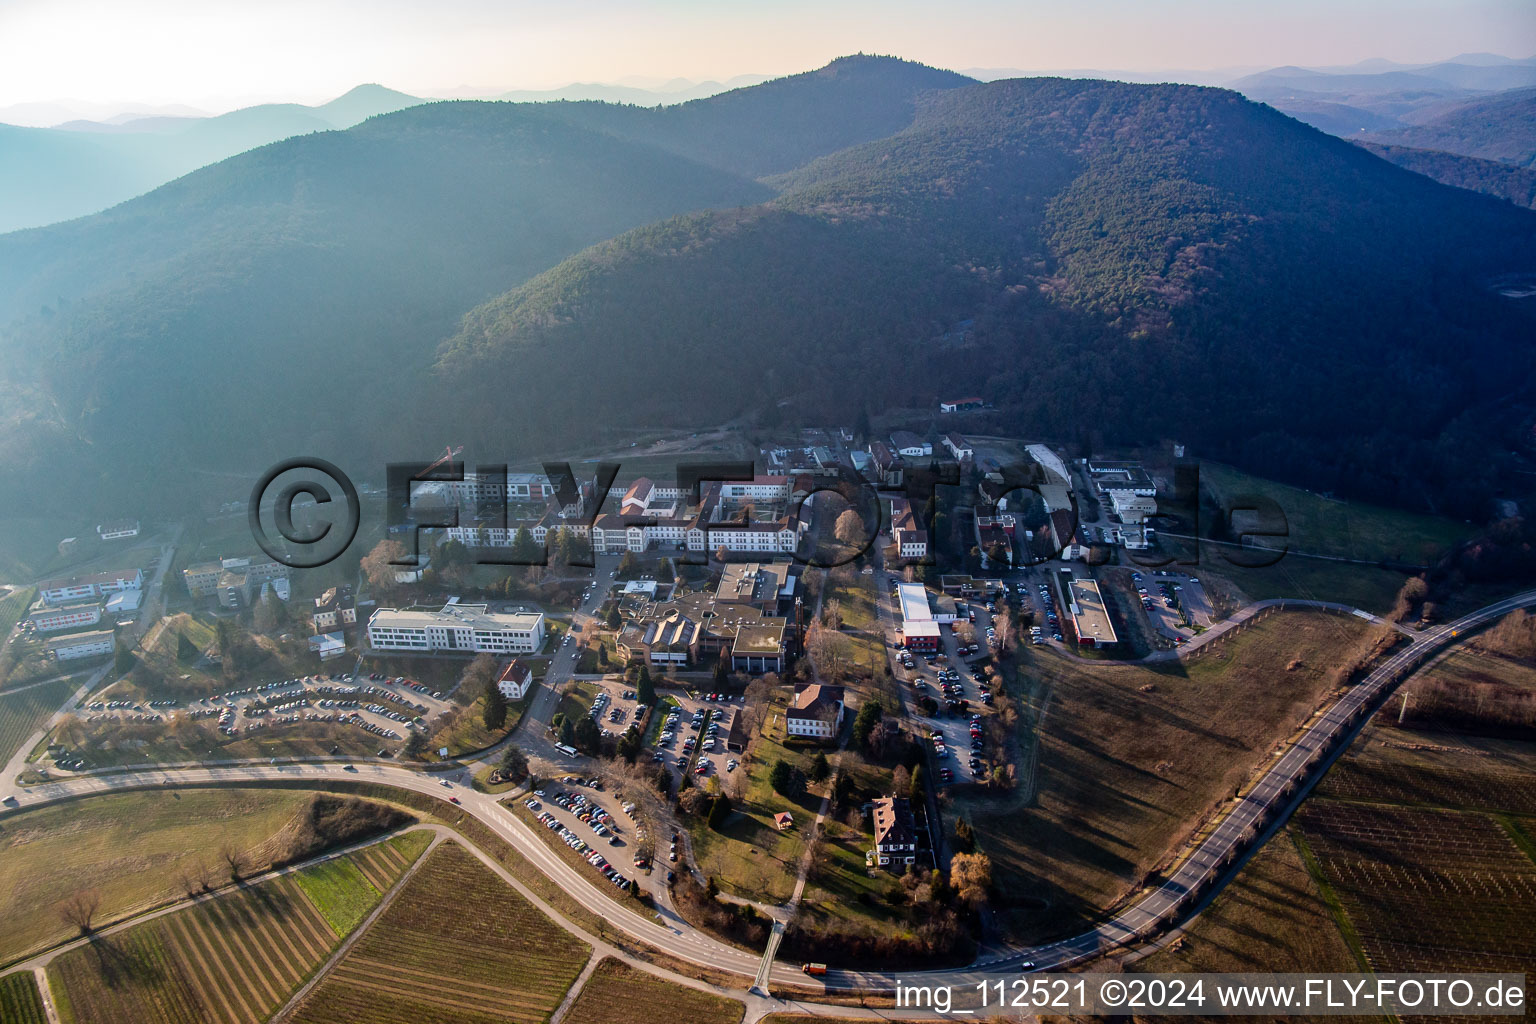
(1205,865)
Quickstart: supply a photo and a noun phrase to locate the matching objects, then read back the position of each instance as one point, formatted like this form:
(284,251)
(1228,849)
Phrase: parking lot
(683,733)
(593,824)
(389,708)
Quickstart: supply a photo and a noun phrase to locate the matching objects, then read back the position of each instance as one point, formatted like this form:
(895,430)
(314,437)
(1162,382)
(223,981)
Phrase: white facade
(85,645)
(515,681)
(469,628)
(79,588)
(816,728)
(1130,505)
(69,616)
(762,488)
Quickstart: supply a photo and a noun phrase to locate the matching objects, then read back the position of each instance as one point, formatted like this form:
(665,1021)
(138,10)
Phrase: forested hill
(290,299)
(1499,127)
(1121,260)
(781,124)
(1517,184)
(293,297)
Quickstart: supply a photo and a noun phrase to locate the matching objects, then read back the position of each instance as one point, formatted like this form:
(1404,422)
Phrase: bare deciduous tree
(234,859)
(79,911)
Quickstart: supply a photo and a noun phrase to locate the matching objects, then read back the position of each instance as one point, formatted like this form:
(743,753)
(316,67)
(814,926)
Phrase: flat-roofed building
(763,585)
(1089,616)
(65,616)
(124,602)
(1132,508)
(78,588)
(82,645)
(206,578)
(466,628)
(759,649)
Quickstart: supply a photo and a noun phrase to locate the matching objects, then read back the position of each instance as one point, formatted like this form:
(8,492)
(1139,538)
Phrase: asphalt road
(665,932)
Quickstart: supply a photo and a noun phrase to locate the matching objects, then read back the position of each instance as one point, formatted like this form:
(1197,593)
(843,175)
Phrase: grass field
(855,599)
(1363,586)
(1347,529)
(23,713)
(617,993)
(1325,526)
(13,606)
(20,1002)
(457,946)
(1131,757)
(128,847)
(233,959)
(345,889)
(749,856)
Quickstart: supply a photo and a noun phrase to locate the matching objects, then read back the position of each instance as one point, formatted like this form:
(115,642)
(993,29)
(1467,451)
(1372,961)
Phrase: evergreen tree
(821,768)
(645,690)
(493,712)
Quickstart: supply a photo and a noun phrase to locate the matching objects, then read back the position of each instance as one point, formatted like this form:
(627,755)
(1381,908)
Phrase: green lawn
(1327,526)
(339,891)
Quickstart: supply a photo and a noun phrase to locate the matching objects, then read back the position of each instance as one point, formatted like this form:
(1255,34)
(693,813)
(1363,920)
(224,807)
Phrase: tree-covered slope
(294,294)
(1499,127)
(1517,184)
(1128,261)
(780,124)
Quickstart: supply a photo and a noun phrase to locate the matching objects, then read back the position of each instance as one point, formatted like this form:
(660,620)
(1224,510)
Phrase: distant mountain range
(69,170)
(54,174)
(1113,260)
(1379,96)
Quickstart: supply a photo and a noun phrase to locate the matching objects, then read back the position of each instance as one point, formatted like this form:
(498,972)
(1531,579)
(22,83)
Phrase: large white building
(65,616)
(82,645)
(1131,506)
(118,529)
(467,628)
(79,588)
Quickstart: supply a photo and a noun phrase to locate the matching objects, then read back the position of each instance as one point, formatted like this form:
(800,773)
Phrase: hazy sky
(218,53)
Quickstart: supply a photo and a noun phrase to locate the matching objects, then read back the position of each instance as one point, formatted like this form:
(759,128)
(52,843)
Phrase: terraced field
(19,1000)
(232,960)
(617,993)
(22,712)
(456,946)
(1427,890)
(345,889)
